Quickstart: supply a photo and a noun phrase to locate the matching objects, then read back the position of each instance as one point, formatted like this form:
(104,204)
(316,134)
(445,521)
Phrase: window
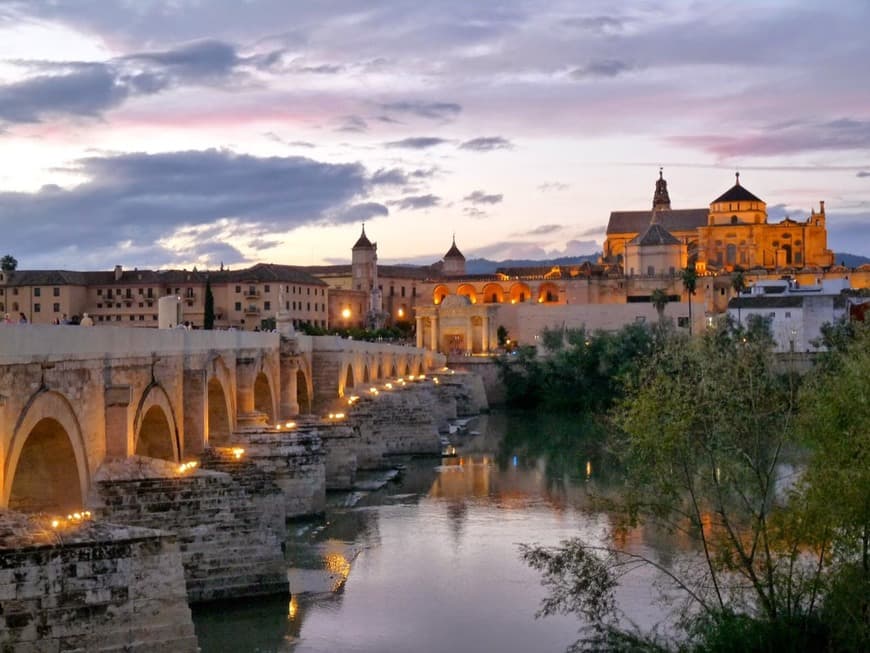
(392,291)
(149,294)
(141,305)
(128,294)
(414,291)
(37,292)
(309,306)
(267,306)
(141,318)
(286,306)
(99,305)
(238,306)
(188,292)
(36,308)
(403,291)
(99,292)
(150,304)
(132,317)
(55,307)
(308,291)
(15,291)
(141,291)
(266,288)
(55,292)
(788,313)
(117,318)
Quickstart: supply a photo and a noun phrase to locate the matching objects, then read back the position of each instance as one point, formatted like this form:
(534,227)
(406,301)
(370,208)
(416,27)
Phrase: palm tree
(690,282)
(738,281)
(659,299)
(8,263)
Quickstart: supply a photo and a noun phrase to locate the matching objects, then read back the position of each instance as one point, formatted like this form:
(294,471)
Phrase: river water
(430,563)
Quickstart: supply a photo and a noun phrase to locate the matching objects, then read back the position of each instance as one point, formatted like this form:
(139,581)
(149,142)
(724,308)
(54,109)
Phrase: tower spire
(661,199)
(737,175)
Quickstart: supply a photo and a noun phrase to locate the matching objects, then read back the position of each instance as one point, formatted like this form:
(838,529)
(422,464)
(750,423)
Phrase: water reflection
(430,563)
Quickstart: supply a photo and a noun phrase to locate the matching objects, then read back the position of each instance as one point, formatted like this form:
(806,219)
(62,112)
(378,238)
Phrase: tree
(705,428)
(834,416)
(8,263)
(659,299)
(690,282)
(738,281)
(502,335)
(208,316)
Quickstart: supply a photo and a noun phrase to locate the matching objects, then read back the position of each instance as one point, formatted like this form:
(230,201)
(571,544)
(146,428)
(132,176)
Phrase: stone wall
(90,587)
(401,421)
(340,444)
(294,461)
(228,542)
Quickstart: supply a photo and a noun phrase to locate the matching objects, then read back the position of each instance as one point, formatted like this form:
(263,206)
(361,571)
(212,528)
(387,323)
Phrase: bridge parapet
(26,343)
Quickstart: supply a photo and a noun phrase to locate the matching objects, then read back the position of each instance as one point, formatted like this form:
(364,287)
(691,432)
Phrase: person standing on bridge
(87,320)
(22,318)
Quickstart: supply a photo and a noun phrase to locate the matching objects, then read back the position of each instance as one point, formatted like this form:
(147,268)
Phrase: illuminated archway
(348,382)
(520,293)
(366,376)
(441,291)
(45,405)
(155,436)
(156,433)
(493,293)
(548,293)
(303,396)
(219,425)
(263,401)
(467,290)
(46,476)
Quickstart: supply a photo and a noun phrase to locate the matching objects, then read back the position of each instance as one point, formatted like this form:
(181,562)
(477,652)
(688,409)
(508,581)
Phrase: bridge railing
(27,342)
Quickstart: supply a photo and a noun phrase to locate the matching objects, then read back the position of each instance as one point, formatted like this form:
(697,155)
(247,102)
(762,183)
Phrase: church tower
(661,199)
(364,263)
(454,261)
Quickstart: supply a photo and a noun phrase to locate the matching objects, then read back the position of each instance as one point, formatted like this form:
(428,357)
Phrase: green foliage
(390,334)
(208,315)
(582,371)
(8,263)
(502,335)
(711,435)
(659,299)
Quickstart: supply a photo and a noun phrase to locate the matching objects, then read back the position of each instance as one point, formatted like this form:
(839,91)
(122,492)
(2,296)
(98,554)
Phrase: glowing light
(337,565)
(588,468)
(293,608)
(238,452)
(186,467)
(435,380)
(278,426)
(55,523)
(335,416)
(373,391)
(290,425)
(345,313)
(401,312)
(388,386)
(352,400)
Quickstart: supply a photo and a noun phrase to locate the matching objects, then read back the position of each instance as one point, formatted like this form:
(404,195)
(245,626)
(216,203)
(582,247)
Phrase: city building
(732,233)
(795,313)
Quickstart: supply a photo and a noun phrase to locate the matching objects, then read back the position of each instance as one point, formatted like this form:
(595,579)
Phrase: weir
(188,451)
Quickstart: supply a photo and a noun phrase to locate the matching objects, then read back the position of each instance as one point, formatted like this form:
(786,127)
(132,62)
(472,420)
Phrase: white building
(796,313)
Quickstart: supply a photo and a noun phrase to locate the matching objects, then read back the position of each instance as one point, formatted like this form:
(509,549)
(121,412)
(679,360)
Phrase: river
(430,563)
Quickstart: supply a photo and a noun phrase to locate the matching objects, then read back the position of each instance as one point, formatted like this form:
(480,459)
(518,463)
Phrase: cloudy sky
(159,133)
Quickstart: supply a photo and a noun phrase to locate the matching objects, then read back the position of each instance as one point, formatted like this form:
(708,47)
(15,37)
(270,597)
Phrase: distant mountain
(850,260)
(485,266)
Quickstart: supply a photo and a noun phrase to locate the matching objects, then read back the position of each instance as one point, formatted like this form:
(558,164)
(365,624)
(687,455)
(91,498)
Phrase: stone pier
(90,587)
(227,531)
(292,460)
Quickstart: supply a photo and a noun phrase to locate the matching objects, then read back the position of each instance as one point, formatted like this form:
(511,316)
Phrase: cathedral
(733,233)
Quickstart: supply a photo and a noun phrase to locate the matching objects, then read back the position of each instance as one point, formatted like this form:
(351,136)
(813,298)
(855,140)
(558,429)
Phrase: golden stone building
(732,233)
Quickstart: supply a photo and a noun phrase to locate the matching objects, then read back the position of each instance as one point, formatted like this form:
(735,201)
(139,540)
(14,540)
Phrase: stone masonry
(90,587)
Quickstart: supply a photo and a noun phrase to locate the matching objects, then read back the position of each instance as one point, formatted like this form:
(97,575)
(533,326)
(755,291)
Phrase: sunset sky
(173,133)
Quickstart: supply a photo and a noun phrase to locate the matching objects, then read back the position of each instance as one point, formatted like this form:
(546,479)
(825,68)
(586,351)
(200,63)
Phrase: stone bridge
(72,398)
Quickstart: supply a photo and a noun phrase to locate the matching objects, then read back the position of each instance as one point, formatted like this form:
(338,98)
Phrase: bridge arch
(221,411)
(47,465)
(155,426)
(346,380)
(304,390)
(264,398)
